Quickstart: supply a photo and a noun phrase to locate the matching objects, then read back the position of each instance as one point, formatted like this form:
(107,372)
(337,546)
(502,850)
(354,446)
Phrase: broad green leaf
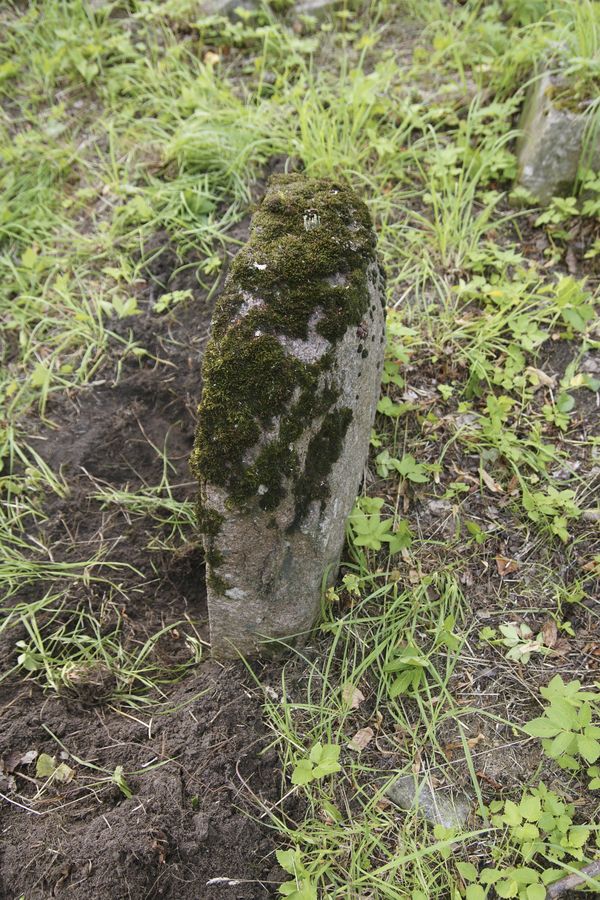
(585,715)
(525,875)
(40,377)
(401,684)
(467,870)
(562,713)
(303,772)
(303,891)
(588,747)
(393,410)
(507,888)
(409,468)
(512,816)
(316,752)
(579,835)
(527,832)
(29,258)
(530,808)
(541,728)
(489,876)
(475,892)
(288,860)
(561,744)
(401,538)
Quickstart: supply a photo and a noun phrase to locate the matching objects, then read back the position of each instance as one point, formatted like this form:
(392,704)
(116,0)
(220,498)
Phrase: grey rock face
(291,380)
(551,143)
(316,8)
(448,809)
(226,7)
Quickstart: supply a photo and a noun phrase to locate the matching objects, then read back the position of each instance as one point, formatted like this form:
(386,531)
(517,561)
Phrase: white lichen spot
(260,266)
(250,302)
(235,594)
(262,489)
(312,220)
(310,350)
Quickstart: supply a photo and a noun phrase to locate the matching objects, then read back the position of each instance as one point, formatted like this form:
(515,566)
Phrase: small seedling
(301,887)
(321,761)
(521,642)
(552,508)
(409,666)
(170,300)
(567,726)
(369,530)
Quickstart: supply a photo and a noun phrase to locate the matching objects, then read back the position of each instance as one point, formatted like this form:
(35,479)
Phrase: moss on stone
(209,520)
(324,450)
(304,267)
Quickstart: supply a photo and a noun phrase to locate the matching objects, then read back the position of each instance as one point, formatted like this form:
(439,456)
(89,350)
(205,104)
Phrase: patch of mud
(191,772)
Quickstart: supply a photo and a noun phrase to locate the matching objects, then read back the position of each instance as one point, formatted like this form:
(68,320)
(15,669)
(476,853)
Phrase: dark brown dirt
(185,823)
(194,761)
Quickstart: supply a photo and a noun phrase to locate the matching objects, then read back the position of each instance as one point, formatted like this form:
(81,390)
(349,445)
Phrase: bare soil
(194,760)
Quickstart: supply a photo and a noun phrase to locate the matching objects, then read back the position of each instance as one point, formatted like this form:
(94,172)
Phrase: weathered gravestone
(291,378)
(316,8)
(549,149)
(227,7)
(411,792)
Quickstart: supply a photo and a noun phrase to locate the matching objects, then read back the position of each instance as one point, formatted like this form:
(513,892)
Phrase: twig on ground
(572,881)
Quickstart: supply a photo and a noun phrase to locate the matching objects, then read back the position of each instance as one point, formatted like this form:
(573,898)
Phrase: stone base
(550,146)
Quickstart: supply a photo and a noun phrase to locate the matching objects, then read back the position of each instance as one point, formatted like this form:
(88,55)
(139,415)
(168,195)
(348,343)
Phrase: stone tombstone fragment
(227,8)
(551,143)
(291,379)
(448,809)
(316,8)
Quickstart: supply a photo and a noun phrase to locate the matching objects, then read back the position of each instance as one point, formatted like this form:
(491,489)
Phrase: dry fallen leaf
(352,696)
(46,767)
(562,647)
(471,742)
(360,740)
(539,378)
(513,485)
(16,758)
(210,58)
(506,566)
(549,633)
(466,578)
(490,483)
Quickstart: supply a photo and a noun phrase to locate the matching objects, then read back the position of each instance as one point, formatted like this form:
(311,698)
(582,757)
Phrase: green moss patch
(304,267)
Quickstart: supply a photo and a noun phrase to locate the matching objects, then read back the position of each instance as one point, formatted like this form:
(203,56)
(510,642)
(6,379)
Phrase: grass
(484,452)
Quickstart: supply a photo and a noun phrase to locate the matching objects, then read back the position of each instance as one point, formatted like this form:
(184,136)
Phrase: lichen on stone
(302,272)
